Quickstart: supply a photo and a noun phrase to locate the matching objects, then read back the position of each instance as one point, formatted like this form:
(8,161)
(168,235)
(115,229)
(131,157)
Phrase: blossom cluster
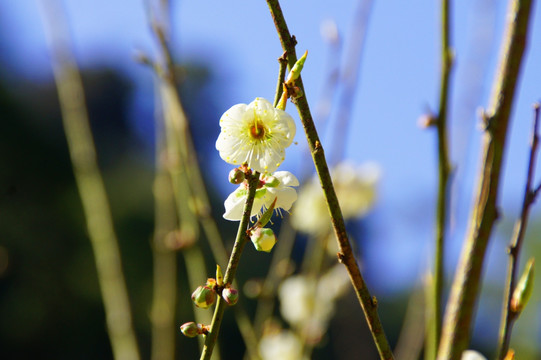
(254,137)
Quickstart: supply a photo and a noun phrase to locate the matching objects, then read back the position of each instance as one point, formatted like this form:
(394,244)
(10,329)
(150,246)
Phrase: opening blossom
(257,134)
(276,186)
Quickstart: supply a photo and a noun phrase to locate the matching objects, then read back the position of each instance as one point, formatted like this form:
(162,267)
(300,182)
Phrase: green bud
(230,295)
(263,239)
(236,176)
(219,275)
(523,290)
(265,218)
(211,283)
(190,329)
(203,296)
(296,70)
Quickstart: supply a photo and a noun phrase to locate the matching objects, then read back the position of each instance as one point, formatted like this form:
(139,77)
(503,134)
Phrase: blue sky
(398,82)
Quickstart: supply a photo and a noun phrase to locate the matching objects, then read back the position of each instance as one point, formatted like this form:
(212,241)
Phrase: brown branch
(346,255)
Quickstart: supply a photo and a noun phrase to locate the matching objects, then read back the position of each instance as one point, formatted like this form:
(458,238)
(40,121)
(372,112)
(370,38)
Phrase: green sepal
(265,218)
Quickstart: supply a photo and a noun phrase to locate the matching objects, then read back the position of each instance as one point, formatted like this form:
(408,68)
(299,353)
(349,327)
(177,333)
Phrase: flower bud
(230,295)
(296,70)
(190,329)
(236,176)
(263,239)
(203,297)
(523,290)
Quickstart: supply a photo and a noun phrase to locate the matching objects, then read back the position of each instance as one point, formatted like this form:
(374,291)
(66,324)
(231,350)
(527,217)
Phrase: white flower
(472,355)
(257,134)
(276,186)
(355,188)
(283,345)
(308,304)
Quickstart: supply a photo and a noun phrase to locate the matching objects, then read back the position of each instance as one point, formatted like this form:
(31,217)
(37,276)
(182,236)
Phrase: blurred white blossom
(308,304)
(283,345)
(276,186)
(472,355)
(257,134)
(355,188)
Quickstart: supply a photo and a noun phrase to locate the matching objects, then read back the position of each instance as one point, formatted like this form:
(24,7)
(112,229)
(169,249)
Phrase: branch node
(340,257)
(293,40)
(283,58)
(497,213)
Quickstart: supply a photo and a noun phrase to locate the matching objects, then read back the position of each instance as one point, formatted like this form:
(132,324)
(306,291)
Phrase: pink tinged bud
(230,295)
(211,283)
(203,297)
(523,290)
(236,176)
(263,239)
(190,329)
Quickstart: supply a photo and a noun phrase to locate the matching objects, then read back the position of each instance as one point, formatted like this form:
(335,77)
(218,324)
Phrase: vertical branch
(162,315)
(509,316)
(465,289)
(90,184)
(444,170)
(368,304)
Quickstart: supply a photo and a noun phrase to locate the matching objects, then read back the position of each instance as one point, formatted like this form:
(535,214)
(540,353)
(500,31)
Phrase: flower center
(257,131)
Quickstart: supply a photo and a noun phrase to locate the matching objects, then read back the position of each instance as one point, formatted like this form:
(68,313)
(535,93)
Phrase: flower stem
(465,289)
(240,242)
(346,256)
(444,171)
(508,316)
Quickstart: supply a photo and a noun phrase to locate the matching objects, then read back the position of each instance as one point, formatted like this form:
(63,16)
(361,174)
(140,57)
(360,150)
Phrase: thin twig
(509,316)
(350,78)
(240,242)
(162,314)
(281,76)
(90,184)
(444,170)
(346,256)
(465,289)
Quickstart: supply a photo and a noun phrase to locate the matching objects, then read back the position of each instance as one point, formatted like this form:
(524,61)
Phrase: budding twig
(509,316)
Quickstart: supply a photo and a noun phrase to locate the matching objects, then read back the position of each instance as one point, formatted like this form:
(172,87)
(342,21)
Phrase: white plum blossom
(256,134)
(472,355)
(276,186)
(308,304)
(355,187)
(283,345)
